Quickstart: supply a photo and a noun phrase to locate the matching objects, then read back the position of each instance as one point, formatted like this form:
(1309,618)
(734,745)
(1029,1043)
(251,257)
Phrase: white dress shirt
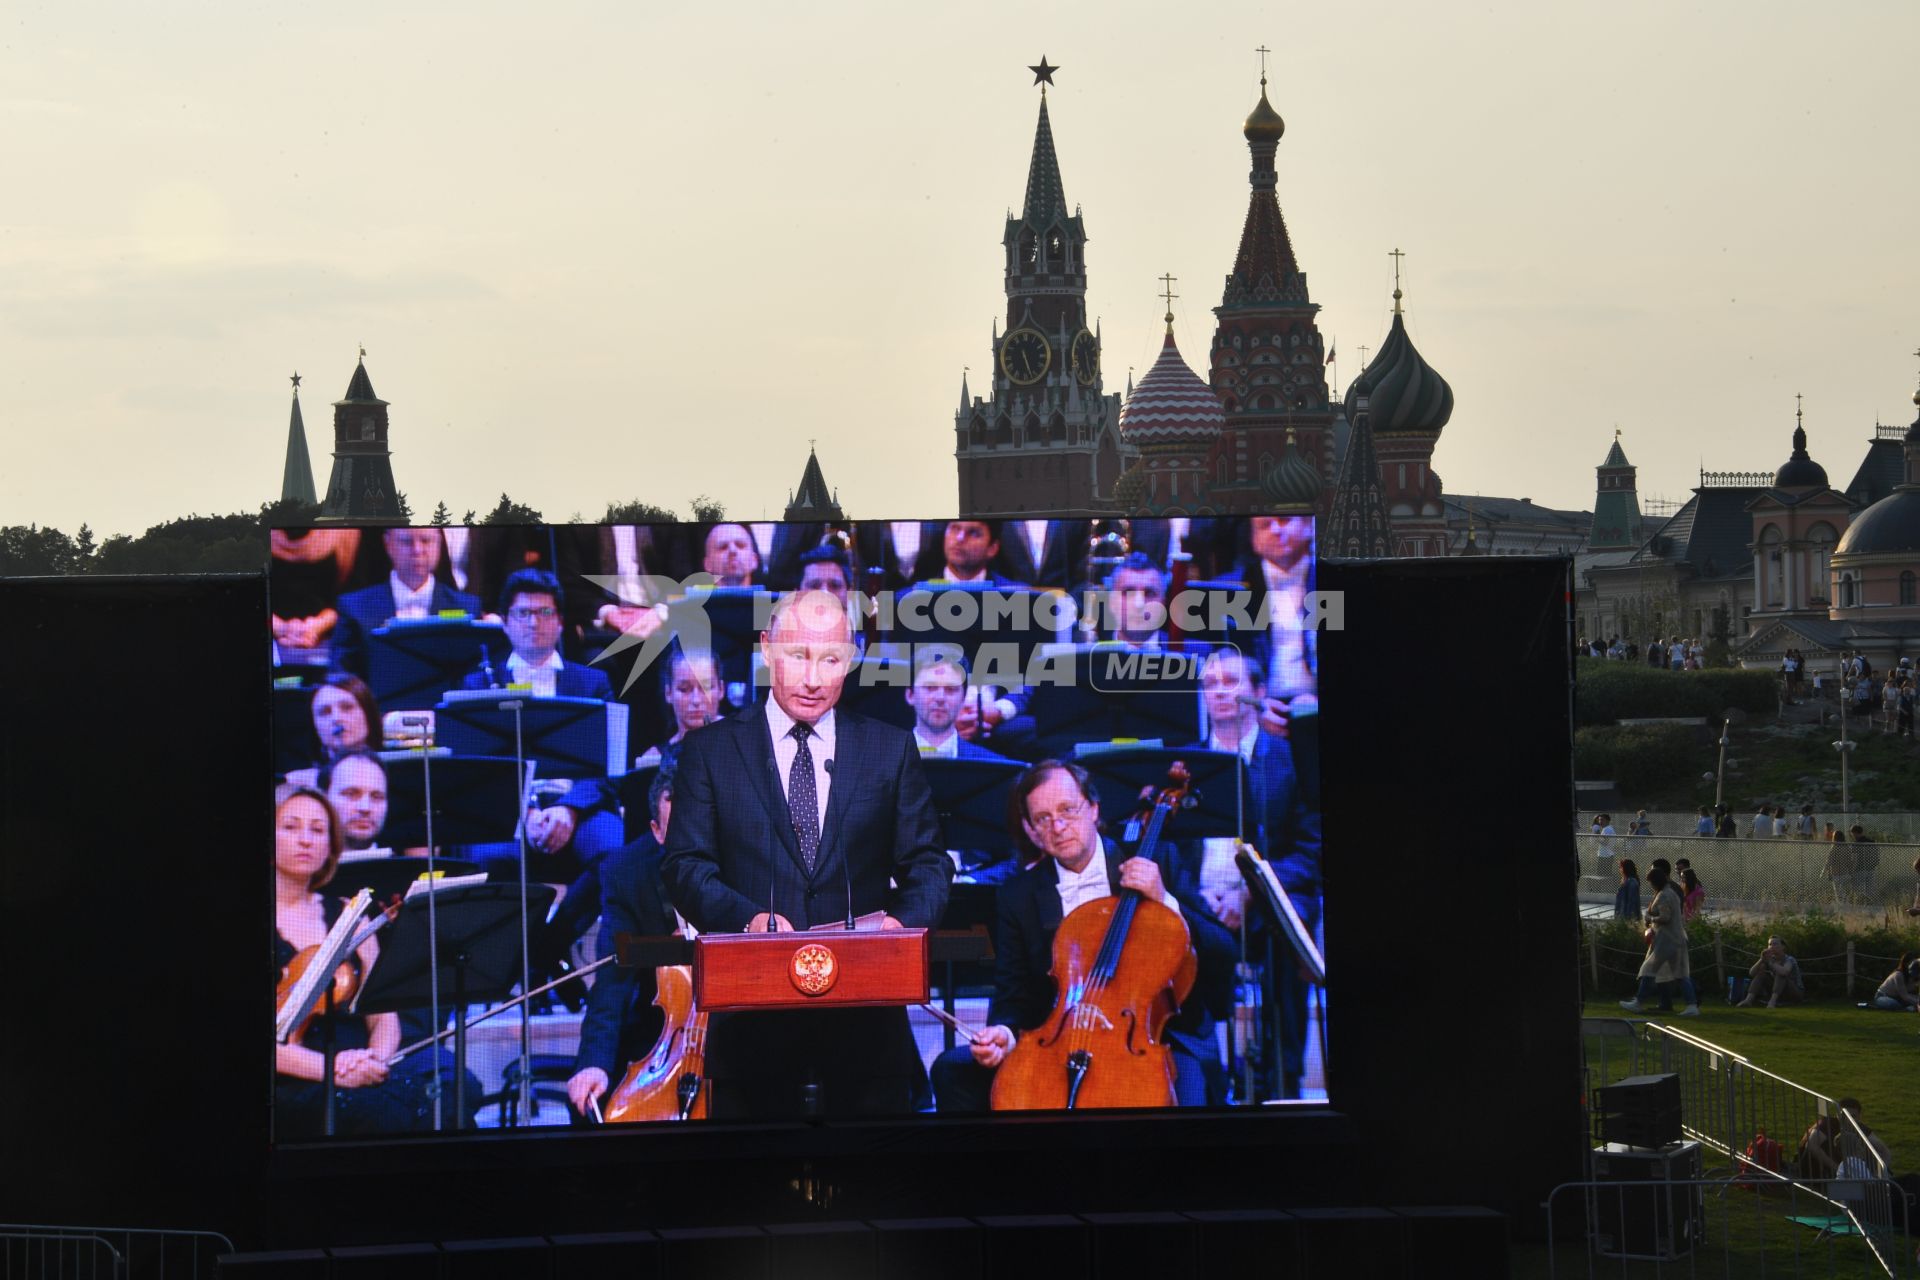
(456,538)
(408,603)
(906,544)
(978,575)
(1286,599)
(820,743)
(1218,871)
(1036,533)
(542,678)
(1089,884)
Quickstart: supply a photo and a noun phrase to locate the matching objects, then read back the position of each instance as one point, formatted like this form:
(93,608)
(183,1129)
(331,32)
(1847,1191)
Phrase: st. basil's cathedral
(1261,433)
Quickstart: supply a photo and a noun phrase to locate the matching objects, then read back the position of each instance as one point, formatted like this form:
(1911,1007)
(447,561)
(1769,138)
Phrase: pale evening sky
(602,251)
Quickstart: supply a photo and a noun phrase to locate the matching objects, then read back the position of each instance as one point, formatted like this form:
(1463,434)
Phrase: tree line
(237,543)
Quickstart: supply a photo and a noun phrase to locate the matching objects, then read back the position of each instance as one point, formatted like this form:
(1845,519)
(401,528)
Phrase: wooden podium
(817,969)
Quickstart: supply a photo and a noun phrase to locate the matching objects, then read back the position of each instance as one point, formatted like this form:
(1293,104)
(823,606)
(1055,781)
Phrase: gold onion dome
(1130,490)
(1265,123)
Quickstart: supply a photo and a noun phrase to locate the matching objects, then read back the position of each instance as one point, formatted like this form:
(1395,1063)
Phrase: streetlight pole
(1845,748)
(1720,769)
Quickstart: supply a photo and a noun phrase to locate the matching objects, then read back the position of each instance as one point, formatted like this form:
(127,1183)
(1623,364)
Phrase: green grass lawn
(1831,1048)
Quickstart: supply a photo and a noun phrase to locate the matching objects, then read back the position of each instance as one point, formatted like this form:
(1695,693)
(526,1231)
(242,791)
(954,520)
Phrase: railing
(1733,1108)
(1898,827)
(1764,876)
(40,1251)
(1736,479)
(1727,1227)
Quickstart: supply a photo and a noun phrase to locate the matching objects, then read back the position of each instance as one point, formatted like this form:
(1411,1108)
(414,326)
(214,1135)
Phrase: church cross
(1167,282)
(1263,51)
(1796,409)
(1363,355)
(1396,255)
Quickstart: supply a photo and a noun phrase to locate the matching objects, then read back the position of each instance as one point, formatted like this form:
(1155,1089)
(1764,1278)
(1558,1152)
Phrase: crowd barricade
(1737,1110)
(42,1251)
(1774,875)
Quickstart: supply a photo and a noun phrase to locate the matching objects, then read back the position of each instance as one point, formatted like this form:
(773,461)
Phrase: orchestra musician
(1285,815)
(1055,812)
(621,1020)
(693,697)
(791,815)
(410,591)
(368,1097)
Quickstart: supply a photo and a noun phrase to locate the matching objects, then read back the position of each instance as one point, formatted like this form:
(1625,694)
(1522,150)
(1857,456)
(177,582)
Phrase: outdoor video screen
(612,825)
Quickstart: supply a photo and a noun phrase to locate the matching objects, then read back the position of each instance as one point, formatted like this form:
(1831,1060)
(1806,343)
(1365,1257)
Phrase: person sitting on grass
(1818,1145)
(1896,994)
(1775,976)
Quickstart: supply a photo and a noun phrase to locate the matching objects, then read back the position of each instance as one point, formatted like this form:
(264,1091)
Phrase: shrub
(1605,692)
(1640,758)
(1813,938)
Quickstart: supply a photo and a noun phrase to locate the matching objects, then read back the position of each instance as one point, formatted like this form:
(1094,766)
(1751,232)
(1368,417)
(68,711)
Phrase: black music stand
(919,622)
(411,663)
(479,959)
(390,877)
(1284,926)
(1110,698)
(971,798)
(567,737)
(1219,781)
(732,624)
(476,799)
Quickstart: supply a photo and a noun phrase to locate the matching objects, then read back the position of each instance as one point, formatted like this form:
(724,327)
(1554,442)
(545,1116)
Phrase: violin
(669,1083)
(346,983)
(1122,965)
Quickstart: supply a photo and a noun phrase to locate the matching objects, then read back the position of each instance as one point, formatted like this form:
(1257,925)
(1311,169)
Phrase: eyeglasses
(521,613)
(1064,816)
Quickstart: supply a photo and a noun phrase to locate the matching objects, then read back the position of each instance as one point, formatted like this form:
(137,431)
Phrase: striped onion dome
(1171,405)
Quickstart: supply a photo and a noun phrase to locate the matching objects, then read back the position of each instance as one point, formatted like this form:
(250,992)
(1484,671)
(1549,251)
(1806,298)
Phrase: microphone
(486,668)
(846,871)
(773,766)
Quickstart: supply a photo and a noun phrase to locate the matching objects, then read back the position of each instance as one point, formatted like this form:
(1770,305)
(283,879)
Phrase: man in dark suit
(938,695)
(1059,817)
(792,815)
(1284,813)
(621,1022)
(410,591)
(1044,553)
(531,602)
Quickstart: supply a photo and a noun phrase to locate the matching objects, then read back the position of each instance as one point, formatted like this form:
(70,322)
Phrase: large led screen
(613,825)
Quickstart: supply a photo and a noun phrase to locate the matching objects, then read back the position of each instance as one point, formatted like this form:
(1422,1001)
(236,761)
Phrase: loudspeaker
(631,1255)
(1640,1111)
(930,1248)
(822,1250)
(1642,1215)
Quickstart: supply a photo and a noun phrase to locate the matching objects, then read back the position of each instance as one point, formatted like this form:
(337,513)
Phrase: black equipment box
(1640,1111)
(1641,1213)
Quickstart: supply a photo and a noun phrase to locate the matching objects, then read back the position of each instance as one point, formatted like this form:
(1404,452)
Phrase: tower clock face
(1086,358)
(1025,356)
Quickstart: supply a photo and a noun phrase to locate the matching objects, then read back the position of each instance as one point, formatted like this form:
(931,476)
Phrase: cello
(1122,966)
(669,1083)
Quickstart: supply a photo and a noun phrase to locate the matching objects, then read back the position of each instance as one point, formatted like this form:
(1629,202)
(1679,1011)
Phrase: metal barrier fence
(1902,827)
(1851,972)
(1764,876)
(1737,1110)
(1724,1227)
(40,1251)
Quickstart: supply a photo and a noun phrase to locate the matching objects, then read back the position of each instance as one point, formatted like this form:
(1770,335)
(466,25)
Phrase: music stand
(412,662)
(1219,781)
(918,622)
(390,877)
(1116,693)
(1276,907)
(567,737)
(476,799)
(479,953)
(731,621)
(971,798)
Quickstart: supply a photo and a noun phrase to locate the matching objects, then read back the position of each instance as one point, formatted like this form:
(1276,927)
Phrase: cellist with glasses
(1054,813)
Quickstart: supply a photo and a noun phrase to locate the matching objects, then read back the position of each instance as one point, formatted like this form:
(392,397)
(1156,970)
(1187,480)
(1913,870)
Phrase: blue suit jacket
(364,610)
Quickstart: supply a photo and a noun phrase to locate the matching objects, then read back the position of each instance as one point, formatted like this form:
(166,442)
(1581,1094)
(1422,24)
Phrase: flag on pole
(1330,348)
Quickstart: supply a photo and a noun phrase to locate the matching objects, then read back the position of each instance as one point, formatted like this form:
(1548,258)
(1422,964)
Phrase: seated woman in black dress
(346,718)
(367,1098)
